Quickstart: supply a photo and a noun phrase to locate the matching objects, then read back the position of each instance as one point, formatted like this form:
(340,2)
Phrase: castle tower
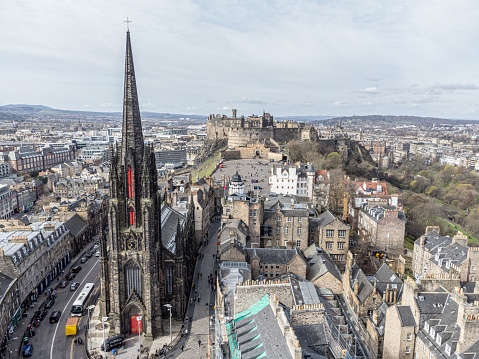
(130,255)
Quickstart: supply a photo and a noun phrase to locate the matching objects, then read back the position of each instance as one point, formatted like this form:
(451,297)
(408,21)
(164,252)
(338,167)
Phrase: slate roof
(320,263)
(232,243)
(273,255)
(325,218)
(443,319)
(365,286)
(406,316)
(255,333)
(169,226)
(384,277)
(472,352)
(75,225)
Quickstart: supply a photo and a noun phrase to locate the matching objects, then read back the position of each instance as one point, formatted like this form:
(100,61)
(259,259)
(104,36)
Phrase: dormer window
(426,326)
(438,339)
(448,264)
(448,349)
(432,332)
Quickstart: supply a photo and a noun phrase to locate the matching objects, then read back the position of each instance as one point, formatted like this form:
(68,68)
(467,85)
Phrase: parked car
(63,283)
(83,260)
(95,246)
(27,350)
(55,317)
(74,286)
(88,254)
(50,303)
(42,314)
(69,276)
(76,269)
(97,254)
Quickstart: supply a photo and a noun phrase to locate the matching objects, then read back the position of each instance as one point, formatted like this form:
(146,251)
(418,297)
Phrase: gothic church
(133,258)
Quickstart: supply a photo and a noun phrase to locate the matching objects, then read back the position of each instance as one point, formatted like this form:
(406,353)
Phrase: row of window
(329,245)
(330,233)
(299,230)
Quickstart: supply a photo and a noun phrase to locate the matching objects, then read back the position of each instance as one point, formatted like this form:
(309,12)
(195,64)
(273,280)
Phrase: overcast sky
(287,57)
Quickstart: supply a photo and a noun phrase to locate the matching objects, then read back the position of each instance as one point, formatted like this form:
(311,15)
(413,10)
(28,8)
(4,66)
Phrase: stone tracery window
(133,278)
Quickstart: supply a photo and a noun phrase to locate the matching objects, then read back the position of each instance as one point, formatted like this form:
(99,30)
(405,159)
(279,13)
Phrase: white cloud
(268,55)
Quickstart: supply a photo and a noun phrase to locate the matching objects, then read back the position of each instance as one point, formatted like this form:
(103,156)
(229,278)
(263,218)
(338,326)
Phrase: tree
(333,160)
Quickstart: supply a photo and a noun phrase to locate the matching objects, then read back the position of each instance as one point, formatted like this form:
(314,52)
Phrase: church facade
(137,270)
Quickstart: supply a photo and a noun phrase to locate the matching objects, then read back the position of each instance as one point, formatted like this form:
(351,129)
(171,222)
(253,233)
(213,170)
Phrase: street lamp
(103,320)
(138,318)
(90,307)
(169,309)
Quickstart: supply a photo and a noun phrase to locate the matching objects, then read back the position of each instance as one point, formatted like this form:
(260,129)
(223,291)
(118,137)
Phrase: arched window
(133,278)
(131,214)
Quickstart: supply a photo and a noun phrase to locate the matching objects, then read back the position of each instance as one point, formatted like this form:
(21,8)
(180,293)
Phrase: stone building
(31,258)
(322,270)
(203,195)
(399,332)
(383,227)
(132,257)
(446,323)
(28,159)
(436,255)
(286,225)
(7,198)
(332,235)
(270,263)
(249,210)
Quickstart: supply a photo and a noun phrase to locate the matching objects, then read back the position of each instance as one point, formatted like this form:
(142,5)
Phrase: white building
(293,180)
(236,184)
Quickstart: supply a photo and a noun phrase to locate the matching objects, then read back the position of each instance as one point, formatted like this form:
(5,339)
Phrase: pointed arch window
(131,192)
(131,213)
(133,278)
(169,279)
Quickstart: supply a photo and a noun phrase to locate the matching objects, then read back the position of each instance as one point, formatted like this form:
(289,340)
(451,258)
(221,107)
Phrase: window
(448,349)
(278,218)
(329,233)
(290,219)
(473,267)
(424,348)
(298,230)
(409,337)
(252,213)
(341,245)
(408,350)
(300,219)
(329,245)
(286,230)
(298,243)
(341,233)
(277,230)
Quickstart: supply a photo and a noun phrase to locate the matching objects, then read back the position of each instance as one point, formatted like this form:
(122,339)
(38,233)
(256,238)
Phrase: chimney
(375,317)
(356,287)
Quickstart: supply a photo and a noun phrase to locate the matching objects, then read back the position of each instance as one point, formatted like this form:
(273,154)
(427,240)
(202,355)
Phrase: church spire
(132,134)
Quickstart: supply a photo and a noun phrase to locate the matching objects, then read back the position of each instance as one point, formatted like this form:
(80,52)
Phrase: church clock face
(131,244)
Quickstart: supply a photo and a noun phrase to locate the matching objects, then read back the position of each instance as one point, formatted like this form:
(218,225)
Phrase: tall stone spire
(132,134)
(132,145)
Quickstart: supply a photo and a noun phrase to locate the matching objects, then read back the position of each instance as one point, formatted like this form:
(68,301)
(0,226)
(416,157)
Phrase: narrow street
(200,310)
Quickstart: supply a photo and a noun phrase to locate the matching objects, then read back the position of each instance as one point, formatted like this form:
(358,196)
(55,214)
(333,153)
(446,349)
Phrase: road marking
(64,310)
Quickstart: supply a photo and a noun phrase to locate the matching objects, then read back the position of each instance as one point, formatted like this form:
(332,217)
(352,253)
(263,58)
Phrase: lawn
(207,167)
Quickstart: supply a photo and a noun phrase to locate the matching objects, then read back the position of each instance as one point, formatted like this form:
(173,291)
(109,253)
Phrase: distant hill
(390,119)
(24,111)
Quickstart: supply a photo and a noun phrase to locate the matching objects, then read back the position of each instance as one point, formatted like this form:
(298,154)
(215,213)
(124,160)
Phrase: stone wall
(249,292)
(307,314)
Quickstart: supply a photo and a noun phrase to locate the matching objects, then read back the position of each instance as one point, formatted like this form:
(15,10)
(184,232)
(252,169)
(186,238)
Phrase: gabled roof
(320,263)
(365,286)
(273,255)
(75,224)
(169,226)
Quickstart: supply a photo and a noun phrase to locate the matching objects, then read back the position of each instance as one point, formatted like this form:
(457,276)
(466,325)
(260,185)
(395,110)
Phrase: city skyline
(285,57)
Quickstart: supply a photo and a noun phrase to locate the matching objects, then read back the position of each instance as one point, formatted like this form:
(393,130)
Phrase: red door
(135,326)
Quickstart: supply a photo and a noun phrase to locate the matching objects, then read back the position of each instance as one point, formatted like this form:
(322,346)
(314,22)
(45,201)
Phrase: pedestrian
(182,347)
(75,341)
(199,343)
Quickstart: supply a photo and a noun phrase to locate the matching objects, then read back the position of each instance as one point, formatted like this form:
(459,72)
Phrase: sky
(285,57)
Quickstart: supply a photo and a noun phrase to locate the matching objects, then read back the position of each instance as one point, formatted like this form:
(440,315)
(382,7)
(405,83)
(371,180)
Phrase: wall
(249,292)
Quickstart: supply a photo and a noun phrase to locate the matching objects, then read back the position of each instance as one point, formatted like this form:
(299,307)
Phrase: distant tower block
(234,113)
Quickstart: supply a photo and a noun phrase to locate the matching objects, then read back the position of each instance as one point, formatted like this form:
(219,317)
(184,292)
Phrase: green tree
(334,160)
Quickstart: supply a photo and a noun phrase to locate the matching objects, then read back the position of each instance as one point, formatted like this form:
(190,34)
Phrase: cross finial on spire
(127,24)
